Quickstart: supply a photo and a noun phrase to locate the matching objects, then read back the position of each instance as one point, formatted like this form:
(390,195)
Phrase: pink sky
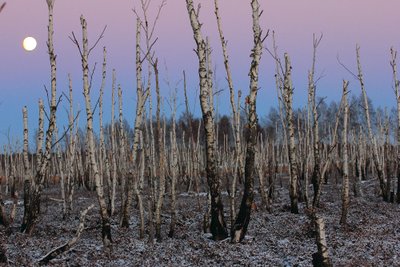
(373,24)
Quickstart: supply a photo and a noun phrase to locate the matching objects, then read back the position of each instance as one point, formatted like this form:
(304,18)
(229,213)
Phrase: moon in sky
(29,43)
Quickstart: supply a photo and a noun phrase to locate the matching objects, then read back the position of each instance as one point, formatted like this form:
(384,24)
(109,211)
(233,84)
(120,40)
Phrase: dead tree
(27,175)
(32,209)
(218,226)
(85,52)
(316,174)
(239,229)
(174,167)
(103,158)
(321,258)
(112,188)
(375,153)
(393,63)
(288,99)
(238,172)
(161,156)
(345,184)
(69,186)
(141,96)
(123,155)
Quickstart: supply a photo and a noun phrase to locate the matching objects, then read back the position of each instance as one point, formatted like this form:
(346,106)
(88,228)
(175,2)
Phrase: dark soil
(279,238)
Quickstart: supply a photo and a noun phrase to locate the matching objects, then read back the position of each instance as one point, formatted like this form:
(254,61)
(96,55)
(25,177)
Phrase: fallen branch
(56,200)
(67,246)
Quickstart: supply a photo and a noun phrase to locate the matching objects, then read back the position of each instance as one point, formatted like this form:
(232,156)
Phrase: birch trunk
(235,116)
(103,158)
(125,178)
(113,149)
(239,229)
(31,214)
(316,174)
(70,181)
(174,166)
(321,258)
(218,226)
(161,159)
(345,183)
(106,228)
(28,184)
(393,63)
(141,96)
(288,98)
(375,154)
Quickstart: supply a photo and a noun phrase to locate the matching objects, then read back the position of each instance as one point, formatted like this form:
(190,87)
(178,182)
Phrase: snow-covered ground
(279,238)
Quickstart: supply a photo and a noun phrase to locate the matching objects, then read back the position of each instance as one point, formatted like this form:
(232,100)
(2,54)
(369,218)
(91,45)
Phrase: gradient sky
(372,24)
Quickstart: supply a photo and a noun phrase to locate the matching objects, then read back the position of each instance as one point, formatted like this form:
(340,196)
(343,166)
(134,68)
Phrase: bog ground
(280,238)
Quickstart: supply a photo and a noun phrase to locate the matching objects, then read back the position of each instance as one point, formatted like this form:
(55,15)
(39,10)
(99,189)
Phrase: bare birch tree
(345,185)
(375,153)
(239,229)
(69,186)
(174,166)
(84,51)
(141,95)
(288,99)
(218,226)
(393,63)
(316,174)
(235,116)
(31,212)
(321,258)
(112,188)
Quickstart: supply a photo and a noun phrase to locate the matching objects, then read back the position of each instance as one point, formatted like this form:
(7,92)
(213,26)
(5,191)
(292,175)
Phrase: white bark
(345,184)
(375,153)
(106,228)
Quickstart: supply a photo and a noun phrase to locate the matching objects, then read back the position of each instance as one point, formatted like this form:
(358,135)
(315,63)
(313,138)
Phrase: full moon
(29,43)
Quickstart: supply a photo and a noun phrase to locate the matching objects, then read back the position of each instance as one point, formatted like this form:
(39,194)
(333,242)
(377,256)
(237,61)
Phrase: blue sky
(372,24)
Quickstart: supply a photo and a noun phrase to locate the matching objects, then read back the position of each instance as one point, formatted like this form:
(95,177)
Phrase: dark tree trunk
(239,228)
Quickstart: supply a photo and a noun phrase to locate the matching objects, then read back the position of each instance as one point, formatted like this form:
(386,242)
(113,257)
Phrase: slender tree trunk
(141,96)
(113,149)
(288,98)
(106,228)
(161,159)
(103,158)
(321,258)
(235,117)
(28,184)
(138,187)
(218,226)
(174,166)
(393,63)
(375,154)
(69,185)
(239,229)
(125,177)
(316,174)
(345,185)
(31,213)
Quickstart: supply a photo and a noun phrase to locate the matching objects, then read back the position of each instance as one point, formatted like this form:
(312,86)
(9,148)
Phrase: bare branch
(346,68)
(98,40)
(75,41)
(66,130)
(2,6)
